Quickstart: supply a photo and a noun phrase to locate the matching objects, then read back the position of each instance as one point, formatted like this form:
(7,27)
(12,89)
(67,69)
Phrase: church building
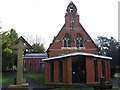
(32,62)
(73,57)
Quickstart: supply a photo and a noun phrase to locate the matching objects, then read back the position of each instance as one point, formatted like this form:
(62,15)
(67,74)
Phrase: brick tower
(72,37)
(73,56)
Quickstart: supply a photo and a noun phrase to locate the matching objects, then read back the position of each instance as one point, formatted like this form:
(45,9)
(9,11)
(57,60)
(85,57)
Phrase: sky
(44,18)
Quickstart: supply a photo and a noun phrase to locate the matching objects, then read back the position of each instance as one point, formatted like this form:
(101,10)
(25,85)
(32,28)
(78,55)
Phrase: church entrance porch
(78,69)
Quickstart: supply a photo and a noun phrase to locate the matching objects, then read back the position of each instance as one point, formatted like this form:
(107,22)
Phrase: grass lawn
(6,80)
(83,89)
(73,89)
(38,77)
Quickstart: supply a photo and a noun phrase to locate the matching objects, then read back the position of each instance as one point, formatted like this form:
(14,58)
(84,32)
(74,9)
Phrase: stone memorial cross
(20,44)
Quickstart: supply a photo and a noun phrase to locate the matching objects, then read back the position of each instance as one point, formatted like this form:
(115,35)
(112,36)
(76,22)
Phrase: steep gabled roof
(90,37)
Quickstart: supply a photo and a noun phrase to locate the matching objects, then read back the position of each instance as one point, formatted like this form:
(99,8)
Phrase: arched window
(79,42)
(66,42)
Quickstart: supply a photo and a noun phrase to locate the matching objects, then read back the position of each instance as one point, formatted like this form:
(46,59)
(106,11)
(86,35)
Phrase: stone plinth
(24,86)
(20,44)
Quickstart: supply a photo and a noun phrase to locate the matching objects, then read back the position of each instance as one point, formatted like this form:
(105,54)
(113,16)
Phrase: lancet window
(66,42)
(79,42)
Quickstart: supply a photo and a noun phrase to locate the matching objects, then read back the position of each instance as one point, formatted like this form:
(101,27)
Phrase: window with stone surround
(66,42)
(78,42)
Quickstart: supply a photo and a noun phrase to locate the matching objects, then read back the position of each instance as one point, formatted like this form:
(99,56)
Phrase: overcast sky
(45,18)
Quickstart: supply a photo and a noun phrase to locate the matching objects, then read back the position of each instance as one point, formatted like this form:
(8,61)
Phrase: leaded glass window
(67,42)
(79,42)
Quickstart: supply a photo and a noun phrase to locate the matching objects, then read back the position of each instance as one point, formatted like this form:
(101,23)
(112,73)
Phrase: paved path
(115,83)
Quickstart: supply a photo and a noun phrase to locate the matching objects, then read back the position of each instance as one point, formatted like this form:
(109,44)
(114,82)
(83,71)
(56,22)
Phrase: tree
(37,48)
(35,39)
(108,47)
(8,55)
(13,35)
(5,42)
(37,43)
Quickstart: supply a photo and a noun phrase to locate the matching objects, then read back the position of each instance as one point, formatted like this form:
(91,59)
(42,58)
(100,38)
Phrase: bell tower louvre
(72,37)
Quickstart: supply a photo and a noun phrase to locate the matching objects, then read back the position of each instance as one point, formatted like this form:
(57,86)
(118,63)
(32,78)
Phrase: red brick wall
(47,72)
(27,65)
(109,79)
(90,76)
(55,47)
(60,52)
(107,68)
(37,66)
(56,71)
(99,69)
(65,70)
(69,70)
(32,66)
(34,69)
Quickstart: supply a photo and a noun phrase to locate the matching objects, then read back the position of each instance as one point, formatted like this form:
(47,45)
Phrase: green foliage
(38,78)
(8,55)
(13,35)
(117,75)
(108,47)
(6,80)
(6,42)
(38,48)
